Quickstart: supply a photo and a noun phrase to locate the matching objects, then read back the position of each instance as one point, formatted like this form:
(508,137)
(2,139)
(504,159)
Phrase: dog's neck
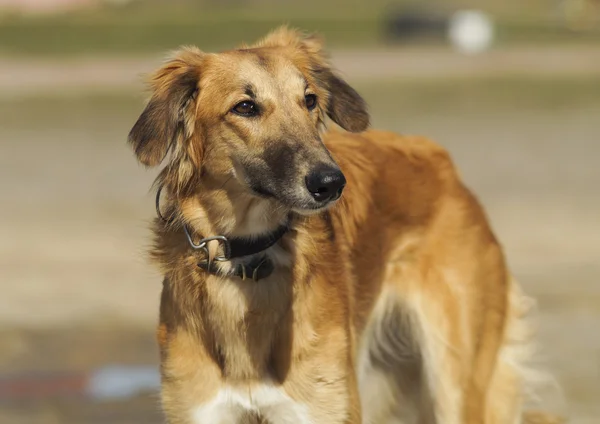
(230,212)
(232,215)
(223,206)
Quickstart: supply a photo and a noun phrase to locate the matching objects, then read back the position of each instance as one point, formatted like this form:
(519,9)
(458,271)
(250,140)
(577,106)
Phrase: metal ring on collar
(203,245)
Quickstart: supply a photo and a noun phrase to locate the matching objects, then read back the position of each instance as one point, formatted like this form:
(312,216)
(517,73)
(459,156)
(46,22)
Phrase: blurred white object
(121,382)
(471,31)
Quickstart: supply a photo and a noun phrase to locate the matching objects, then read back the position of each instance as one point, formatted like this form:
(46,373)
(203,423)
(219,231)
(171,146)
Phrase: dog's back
(448,324)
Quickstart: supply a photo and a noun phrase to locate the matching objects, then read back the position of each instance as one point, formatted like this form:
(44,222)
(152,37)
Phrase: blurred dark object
(469,31)
(411,24)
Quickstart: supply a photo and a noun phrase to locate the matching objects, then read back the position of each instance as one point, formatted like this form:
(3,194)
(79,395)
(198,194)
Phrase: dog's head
(252,116)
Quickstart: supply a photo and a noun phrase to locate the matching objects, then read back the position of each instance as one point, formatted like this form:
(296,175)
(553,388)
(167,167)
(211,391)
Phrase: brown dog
(281,303)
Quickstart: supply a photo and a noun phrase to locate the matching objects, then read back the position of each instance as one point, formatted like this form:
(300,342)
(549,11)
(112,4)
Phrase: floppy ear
(345,106)
(170,113)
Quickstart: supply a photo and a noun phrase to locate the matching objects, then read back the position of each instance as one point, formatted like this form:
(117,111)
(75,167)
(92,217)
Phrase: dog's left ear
(345,106)
(169,116)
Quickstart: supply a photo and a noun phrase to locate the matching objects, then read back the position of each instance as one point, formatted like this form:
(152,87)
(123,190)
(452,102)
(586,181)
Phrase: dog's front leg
(323,385)
(322,402)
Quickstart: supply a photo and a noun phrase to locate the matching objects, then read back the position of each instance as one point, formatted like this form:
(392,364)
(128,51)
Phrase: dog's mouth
(307,211)
(298,200)
(260,191)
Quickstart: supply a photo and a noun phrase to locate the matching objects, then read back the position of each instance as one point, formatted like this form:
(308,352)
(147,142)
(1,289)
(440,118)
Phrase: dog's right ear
(170,113)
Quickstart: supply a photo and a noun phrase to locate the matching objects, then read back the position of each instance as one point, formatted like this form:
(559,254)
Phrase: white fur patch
(269,401)
(388,394)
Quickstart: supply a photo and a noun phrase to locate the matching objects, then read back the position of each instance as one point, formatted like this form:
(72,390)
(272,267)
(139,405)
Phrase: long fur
(393,305)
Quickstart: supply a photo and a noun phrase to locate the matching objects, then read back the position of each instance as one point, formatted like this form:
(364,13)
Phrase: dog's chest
(258,404)
(247,322)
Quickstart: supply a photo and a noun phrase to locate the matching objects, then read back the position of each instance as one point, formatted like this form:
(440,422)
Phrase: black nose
(325,183)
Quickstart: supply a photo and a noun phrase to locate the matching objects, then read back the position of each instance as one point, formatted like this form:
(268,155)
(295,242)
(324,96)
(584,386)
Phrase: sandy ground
(77,292)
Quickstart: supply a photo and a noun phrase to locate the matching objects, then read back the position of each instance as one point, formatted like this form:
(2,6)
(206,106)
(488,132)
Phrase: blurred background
(511,88)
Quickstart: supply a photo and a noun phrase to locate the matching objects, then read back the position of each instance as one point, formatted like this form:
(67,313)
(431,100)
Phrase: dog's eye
(311,101)
(245,108)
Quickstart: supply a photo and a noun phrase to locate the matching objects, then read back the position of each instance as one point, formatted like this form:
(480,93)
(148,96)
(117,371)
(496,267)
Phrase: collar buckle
(203,245)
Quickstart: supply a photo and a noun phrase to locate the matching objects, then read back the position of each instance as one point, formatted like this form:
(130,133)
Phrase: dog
(313,276)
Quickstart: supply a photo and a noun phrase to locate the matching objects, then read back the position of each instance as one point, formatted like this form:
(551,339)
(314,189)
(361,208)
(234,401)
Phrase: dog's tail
(542,399)
(539,417)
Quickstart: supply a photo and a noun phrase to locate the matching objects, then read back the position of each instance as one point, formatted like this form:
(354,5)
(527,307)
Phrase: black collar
(237,247)
(234,247)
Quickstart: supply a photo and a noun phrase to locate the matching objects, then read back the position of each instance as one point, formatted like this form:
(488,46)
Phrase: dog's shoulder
(377,144)
(406,158)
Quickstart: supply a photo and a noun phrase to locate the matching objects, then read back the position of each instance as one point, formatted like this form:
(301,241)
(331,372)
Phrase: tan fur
(394,305)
